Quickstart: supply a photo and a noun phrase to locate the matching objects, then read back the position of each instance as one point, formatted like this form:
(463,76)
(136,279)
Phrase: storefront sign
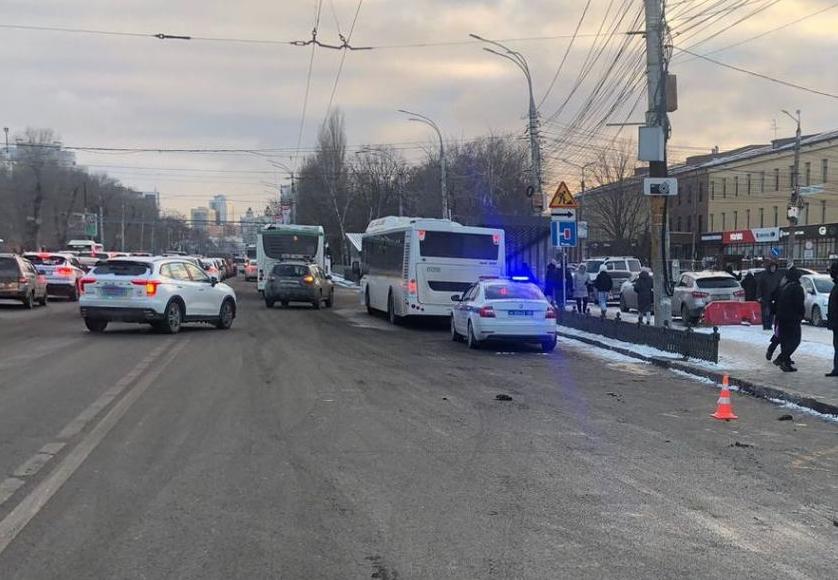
(711,237)
(750,236)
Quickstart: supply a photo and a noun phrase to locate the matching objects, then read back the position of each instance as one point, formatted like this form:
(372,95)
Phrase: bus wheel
(391,310)
(367,302)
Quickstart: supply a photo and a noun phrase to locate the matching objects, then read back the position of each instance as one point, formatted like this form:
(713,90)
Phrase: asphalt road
(328,444)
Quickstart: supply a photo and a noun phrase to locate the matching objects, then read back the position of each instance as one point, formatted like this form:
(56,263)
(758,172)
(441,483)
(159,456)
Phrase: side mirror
(213,281)
(328,276)
(813,292)
(456,298)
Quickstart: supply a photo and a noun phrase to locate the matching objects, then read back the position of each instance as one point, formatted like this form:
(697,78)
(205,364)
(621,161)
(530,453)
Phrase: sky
(120,91)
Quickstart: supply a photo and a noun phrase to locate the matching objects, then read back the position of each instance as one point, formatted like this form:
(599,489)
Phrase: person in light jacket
(581,282)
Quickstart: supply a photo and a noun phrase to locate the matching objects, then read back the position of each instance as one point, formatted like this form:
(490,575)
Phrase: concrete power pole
(656,118)
(122,230)
(794,203)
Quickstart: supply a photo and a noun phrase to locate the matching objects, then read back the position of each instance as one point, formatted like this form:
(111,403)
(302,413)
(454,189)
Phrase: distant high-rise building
(219,204)
(153,196)
(201,217)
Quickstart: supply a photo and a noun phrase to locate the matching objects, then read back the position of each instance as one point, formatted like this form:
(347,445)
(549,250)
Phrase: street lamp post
(443,167)
(794,203)
(535,147)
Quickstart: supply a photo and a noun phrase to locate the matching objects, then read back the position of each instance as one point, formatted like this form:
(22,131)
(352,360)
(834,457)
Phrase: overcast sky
(122,91)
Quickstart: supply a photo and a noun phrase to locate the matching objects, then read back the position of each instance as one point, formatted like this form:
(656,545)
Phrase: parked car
(628,296)
(620,268)
(19,280)
(816,304)
(250,271)
(63,273)
(163,292)
(506,310)
(695,290)
(297,281)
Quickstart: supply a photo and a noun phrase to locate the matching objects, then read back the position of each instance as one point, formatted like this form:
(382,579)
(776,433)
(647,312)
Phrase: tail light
(739,293)
(411,287)
(551,313)
(42,279)
(85,281)
(64,271)
(150,286)
(308,279)
(486,312)
(496,239)
(701,295)
(22,281)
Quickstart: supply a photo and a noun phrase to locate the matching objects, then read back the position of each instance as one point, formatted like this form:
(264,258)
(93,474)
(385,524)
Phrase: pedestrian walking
(603,285)
(832,318)
(568,284)
(790,312)
(769,280)
(643,288)
(550,281)
(581,281)
(749,285)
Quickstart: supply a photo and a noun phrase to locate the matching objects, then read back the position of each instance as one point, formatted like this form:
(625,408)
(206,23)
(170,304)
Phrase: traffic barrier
(724,408)
(725,312)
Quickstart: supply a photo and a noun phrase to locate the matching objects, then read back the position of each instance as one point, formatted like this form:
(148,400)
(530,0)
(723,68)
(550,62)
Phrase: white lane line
(8,487)
(30,505)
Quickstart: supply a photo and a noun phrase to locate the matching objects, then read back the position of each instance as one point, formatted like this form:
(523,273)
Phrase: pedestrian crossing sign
(562,198)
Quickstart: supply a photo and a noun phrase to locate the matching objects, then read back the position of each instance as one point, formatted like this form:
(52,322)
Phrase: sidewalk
(742,356)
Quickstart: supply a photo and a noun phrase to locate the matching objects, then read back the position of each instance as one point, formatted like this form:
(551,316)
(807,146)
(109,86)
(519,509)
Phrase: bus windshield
(277,246)
(457,245)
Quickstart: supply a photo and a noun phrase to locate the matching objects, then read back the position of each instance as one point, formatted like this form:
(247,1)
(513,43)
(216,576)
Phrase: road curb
(744,386)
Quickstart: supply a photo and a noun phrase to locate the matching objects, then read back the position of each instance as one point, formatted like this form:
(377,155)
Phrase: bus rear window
(456,245)
(280,245)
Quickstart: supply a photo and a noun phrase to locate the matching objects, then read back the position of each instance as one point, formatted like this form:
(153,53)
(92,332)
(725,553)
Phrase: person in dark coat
(790,313)
(643,288)
(568,283)
(550,282)
(769,280)
(832,318)
(749,285)
(603,285)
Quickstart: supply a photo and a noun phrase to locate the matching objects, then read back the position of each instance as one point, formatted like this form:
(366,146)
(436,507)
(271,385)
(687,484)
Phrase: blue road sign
(563,234)
(775,251)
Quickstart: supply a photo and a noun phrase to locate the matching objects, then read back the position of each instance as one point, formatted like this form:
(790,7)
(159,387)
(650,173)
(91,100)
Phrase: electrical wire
(343,56)
(308,77)
(566,53)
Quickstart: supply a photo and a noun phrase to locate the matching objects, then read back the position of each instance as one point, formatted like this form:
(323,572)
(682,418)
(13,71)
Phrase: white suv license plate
(520,313)
(112,292)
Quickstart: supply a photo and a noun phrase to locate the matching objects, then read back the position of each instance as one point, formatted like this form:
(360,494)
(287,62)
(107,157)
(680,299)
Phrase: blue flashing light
(521,278)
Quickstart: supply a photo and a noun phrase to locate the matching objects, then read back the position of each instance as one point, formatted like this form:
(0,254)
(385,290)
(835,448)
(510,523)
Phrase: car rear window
(9,267)
(823,285)
(122,268)
(513,292)
(46,260)
(634,265)
(290,270)
(717,282)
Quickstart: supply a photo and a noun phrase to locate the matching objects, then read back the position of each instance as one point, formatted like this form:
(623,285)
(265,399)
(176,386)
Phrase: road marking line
(32,465)
(30,505)
(8,487)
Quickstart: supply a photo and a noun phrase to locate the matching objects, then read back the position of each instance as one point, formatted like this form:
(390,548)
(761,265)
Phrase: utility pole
(122,229)
(793,212)
(101,225)
(656,118)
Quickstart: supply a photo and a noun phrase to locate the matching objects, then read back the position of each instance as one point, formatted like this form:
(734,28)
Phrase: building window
(762,181)
(700,223)
(712,189)
(776,217)
(712,222)
(824,170)
(776,179)
(689,223)
(690,194)
(762,217)
(749,184)
(724,222)
(700,191)
(791,176)
(807,173)
(735,220)
(678,227)
(748,218)
(823,211)
(806,214)
(736,186)
(724,187)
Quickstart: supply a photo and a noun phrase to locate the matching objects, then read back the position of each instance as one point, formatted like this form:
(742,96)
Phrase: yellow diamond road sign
(562,199)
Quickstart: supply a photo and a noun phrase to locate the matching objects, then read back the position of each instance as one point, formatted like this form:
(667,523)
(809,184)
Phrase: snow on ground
(343,282)
(602,353)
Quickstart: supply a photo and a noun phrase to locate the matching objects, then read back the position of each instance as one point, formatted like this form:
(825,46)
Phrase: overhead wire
(308,77)
(343,55)
(566,53)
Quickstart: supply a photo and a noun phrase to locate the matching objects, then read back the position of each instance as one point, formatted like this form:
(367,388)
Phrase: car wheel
(284,303)
(367,302)
(269,303)
(623,306)
(43,299)
(455,336)
(472,341)
(95,325)
(548,345)
(331,299)
(226,315)
(73,296)
(685,315)
(817,317)
(316,303)
(173,318)
(29,301)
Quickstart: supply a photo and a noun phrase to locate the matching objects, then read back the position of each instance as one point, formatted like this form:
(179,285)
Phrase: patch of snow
(343,282)
(806,410)
(602,353)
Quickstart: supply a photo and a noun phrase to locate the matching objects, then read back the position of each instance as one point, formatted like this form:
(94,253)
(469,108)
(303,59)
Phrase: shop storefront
(815,245)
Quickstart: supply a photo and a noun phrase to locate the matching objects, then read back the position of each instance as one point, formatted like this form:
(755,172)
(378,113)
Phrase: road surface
(328,444)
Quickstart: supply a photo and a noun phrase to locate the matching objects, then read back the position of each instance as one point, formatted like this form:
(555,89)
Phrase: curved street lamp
(443,186)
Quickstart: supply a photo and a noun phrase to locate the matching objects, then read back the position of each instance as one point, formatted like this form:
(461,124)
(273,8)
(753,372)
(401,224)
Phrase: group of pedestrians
(782,300)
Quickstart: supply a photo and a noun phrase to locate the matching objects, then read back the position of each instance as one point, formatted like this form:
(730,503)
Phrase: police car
(499,309)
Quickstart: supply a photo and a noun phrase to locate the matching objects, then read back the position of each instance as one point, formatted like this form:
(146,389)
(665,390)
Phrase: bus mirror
(455,298)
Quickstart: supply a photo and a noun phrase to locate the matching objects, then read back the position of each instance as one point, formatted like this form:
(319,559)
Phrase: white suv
(164,292)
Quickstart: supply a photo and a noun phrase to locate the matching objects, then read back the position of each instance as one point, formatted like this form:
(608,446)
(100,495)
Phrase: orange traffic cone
(724,410)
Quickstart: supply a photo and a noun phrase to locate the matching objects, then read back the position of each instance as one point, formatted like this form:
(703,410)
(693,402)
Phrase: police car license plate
(520,313)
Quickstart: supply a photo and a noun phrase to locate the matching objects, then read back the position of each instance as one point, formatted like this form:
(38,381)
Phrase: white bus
(278,242)
(84,246)
(413,266)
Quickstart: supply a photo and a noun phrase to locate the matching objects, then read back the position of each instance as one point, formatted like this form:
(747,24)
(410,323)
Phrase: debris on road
(503,397)
(785,417)
(740,444)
